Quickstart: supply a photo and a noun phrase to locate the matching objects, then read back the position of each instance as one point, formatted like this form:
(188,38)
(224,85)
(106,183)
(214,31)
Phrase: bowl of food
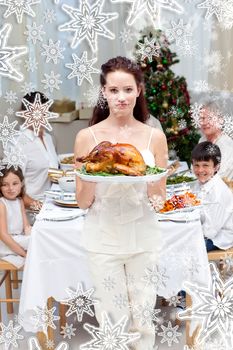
(67,183)
(178,182)
(66,161)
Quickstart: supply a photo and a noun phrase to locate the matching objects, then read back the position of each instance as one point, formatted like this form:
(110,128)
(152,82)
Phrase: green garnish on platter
(179,179)
(149,171)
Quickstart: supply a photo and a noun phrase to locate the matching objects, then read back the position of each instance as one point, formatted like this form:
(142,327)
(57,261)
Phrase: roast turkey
(116,158)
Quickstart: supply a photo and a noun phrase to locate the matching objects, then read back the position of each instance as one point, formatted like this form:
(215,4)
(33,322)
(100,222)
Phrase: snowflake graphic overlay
(178,31)
(7,54)
(19,8)
(8,132)
(80,302)
(13,157)
(11,97)
(37,114)
(195,111)
(82,68)
(152,7)
(53,51)
(109,336)
(169,334)
(34,33)
(68,331)
(95,97)
(88,21)
(51,81)
(214,306)
(34,345)
(45,318)
(156,202)
(148,49)
(155,277)
(222,9)
(146,314)
(9,335)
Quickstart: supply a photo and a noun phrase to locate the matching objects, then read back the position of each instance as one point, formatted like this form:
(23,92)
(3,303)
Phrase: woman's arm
(5,236)
(26,226)
(85,191)
(160,151)
(31,203)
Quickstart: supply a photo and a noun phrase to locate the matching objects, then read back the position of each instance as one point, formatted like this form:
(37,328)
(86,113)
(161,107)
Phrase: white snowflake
(109,336)
(11,97)
(155,277)
(19,8)
(213,61)
(8,54)
(125,131)
(109,283)
(82,68)
(68,331)
(10,111)
(34,32)
(37,114)
(53,51)
(27,87)
(34,345)
(45,318)
(156,202)
(95,97)
(151,7)
(51,81)
(195,111)
(126,35)
(50,344)
(88,21)
(13,157)
(80,302)
(220,8)
(187,47)
(182,124)
(31,65)
(174,300)
(130,278)
(146,314)
(8,132)
(169,334)
(120,301)
(179,31)
(9,335)
(49,16)
(213,305)
(200,86)
(148,49)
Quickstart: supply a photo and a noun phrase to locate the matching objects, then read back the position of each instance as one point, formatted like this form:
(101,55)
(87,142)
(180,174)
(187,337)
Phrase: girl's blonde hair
(18,173)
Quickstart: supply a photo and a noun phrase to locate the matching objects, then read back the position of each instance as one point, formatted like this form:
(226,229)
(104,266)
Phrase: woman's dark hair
(18,173)
(140,111)
(205,151)
(30,97)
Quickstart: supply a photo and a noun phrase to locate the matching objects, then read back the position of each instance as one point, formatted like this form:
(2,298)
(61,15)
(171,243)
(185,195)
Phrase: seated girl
(14,226)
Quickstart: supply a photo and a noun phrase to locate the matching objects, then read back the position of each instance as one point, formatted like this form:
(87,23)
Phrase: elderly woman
(211,122)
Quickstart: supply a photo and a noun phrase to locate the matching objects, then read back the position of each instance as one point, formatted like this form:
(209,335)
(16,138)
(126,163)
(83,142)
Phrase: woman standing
(121,233)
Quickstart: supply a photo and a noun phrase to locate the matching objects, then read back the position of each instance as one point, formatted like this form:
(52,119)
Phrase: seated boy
(217,212)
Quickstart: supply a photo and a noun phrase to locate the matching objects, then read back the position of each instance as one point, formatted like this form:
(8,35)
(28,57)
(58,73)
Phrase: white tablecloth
(56,260)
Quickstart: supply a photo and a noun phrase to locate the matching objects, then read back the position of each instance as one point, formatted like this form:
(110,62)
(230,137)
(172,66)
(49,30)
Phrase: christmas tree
(166,94)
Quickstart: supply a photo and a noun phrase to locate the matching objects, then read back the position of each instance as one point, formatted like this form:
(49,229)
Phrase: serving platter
(121,178)
(65,203)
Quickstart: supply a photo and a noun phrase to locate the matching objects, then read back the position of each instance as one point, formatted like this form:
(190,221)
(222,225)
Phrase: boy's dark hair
(18,172)
(30,97)
(205,151)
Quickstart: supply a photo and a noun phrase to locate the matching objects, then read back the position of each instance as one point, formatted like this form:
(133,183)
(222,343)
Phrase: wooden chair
(8,270)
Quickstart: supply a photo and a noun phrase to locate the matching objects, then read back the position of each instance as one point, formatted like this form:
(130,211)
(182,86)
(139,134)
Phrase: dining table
(57,260)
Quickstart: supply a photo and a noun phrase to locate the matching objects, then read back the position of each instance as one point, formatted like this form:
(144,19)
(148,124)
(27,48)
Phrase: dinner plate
(65,203)
(182,210)
(122,178)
